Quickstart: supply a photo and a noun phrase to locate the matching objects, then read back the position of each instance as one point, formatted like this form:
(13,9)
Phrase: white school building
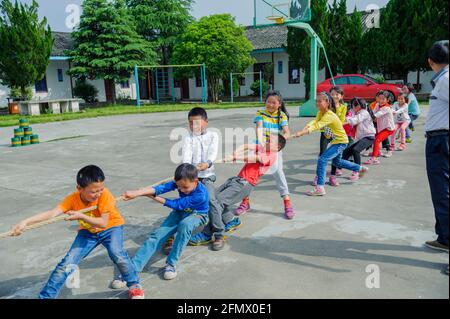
(268,50)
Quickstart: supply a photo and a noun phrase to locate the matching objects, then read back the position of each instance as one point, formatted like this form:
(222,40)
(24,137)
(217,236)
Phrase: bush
(85,91)
(255,87)
(16,94)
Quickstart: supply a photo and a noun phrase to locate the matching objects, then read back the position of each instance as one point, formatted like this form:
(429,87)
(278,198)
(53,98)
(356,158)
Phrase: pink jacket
(385,117)
(364,124)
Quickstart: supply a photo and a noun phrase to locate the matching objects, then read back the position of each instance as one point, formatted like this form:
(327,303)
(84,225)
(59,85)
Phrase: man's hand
(202,166)
(18,229)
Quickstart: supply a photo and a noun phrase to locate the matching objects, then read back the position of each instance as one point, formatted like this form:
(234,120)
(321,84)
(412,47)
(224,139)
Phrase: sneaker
(317,191)
(136,292)
(233,225)
(289,212)
(413,129)
(388,154)
(434,244)
(169,272)
(314,183)
(242,209)
(218,244)
(363,171)
(408,140)
(339,172)
(168,245)
(372,161)
(118,284)
(333,181)
(354,177)
(366,154)
(200,239)
(401,148)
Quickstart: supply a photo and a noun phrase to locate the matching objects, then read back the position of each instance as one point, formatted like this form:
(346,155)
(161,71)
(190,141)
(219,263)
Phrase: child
(189,212)
(273,120)
(327,119)
(102,226)
(200,148)
(341,111)
(386,144)
(364,136)
(413,111)
(402,120)
(385,126)
(237,188)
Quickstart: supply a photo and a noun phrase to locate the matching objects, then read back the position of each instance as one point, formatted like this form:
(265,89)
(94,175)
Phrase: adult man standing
(437,148)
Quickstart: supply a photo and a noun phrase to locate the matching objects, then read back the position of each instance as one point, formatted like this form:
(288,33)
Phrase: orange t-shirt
(106,203)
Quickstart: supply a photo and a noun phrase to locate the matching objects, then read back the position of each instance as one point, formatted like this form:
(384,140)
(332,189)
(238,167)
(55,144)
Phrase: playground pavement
(334,248)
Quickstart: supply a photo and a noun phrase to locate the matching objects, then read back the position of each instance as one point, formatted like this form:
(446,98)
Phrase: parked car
(362,86)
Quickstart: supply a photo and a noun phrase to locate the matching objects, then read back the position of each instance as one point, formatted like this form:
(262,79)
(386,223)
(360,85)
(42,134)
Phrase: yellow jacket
(333,123)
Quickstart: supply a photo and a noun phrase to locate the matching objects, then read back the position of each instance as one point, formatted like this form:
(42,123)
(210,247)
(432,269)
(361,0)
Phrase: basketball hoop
(276,19)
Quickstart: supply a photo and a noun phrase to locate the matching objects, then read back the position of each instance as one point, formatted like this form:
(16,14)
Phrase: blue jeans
(334,154)
(437,157)
(84,244)
(181,223)
(411,125)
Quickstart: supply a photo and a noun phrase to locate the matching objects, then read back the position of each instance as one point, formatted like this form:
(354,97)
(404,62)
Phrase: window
(176,83)
(41,86)
(340,81)
(257,67)
(356,80)
(60,75)
(294,73)
(280,67)
(241,80)
(125,84)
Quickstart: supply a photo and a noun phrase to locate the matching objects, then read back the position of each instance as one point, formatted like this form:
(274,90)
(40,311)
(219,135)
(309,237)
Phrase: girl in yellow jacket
(333,129)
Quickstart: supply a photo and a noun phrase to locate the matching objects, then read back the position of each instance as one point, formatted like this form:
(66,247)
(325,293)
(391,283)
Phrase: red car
(362,86)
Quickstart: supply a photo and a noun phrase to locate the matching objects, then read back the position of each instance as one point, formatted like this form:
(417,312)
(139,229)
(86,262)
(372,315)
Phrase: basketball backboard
(276,12)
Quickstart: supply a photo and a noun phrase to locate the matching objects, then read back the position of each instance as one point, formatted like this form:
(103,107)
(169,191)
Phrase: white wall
(289,91)
(55,89)
(4,93)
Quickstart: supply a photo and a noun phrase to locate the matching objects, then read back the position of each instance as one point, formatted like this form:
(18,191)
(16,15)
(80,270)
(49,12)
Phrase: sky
(63,14)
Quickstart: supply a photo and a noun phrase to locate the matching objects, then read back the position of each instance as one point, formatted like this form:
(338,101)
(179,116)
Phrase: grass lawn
(13,120)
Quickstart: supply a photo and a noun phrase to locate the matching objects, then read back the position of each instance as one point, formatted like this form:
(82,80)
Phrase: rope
(85,210)
(64,216)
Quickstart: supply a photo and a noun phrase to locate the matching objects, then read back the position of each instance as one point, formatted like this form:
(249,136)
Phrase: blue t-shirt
(413,107)
(197,202)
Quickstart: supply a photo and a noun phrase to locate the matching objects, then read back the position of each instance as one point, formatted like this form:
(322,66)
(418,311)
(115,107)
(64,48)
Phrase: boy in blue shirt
(189,212)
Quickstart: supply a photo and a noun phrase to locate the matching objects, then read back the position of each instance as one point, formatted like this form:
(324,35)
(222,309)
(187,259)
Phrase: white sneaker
(388,154)
(118,284)
(169,272)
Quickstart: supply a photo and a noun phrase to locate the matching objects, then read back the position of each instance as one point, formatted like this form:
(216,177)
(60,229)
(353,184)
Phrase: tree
(25,45)
(161,22)
(107,45)
(353,46)
(407,31)
(299,44)
(219,43)
(338,30)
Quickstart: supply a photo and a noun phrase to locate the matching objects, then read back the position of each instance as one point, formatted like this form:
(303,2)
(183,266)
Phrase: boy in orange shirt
(103,225)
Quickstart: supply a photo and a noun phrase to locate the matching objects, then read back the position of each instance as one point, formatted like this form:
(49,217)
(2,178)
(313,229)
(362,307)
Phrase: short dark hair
(361,102)
(198,111)
(90,174)
(281,142)
(439,52)
(405,96)
(186,172)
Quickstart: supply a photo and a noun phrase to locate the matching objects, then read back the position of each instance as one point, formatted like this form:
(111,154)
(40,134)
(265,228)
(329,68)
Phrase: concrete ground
(329,250)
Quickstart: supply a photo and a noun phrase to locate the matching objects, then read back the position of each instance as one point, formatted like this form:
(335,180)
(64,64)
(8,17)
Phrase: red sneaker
(136,292)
